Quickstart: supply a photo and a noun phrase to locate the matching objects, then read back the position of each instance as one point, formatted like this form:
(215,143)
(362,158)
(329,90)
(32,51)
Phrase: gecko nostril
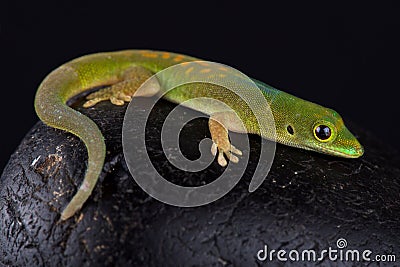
(360,150)
(290,129)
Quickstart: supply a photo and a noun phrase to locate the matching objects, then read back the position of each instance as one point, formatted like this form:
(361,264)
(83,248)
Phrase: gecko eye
(322,132)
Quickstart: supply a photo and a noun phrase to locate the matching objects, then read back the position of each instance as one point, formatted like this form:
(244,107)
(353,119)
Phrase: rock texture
(308,201)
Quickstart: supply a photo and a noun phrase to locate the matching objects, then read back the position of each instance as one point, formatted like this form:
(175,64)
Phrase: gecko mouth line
(359,152)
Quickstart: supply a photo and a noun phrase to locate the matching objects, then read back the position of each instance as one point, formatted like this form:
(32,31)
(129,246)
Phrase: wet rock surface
(308,201)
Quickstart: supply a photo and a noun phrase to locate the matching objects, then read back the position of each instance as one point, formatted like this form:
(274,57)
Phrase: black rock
(308,201)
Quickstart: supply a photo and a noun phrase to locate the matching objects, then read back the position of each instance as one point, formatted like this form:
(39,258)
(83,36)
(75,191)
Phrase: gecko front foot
(228,151)
(221,144)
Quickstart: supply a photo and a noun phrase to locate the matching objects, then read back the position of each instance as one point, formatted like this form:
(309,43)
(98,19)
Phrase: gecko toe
(125,97)
(236,151)
(232,157)
(116,101)
(91,103)
(221,159)
(214,149)
(226,152)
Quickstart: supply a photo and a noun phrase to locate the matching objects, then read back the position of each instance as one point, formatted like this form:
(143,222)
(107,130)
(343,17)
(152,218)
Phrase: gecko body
(299,123)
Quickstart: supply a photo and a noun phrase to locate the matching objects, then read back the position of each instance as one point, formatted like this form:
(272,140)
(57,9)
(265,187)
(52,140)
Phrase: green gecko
(299,123)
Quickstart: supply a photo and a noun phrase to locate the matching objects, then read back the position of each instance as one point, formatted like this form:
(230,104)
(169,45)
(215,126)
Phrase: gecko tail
(92,137)
(51,108)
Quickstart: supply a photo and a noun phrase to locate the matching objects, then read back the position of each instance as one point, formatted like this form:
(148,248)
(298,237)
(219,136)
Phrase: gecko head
(320,129)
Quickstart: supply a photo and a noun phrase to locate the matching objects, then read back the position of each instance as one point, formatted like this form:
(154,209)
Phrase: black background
(341,56)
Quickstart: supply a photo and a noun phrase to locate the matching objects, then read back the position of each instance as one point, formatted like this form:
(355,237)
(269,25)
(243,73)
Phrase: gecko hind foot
(122,91)
(112,93)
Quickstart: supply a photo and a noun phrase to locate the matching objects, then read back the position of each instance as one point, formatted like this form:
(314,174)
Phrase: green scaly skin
(100,69)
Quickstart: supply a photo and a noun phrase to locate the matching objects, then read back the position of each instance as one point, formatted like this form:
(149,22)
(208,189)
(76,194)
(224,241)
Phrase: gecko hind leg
(122,91)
